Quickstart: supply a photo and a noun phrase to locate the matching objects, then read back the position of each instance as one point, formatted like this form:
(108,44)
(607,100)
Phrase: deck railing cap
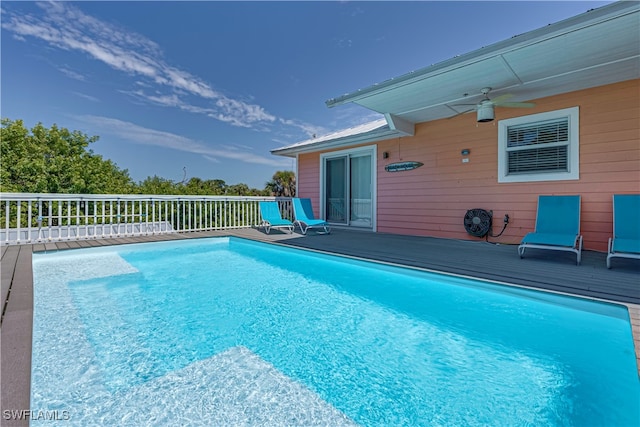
(128,197)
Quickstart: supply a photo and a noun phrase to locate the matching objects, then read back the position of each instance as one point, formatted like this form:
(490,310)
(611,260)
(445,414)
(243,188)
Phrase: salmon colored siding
(308,180)
(432,200)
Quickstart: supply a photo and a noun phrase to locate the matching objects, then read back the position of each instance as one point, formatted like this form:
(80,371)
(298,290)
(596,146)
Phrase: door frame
(358,151)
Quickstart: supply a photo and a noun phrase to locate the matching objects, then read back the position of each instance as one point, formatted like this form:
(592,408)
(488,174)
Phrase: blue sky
(213,86)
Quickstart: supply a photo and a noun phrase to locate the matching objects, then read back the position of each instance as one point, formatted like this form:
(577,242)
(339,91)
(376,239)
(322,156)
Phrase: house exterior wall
(308,180)
(433,199)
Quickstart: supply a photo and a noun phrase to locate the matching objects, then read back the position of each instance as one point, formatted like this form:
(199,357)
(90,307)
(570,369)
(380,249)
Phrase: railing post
(77,227)
(118,217)
(184,214)
(153,215)
(165,214)
(177,214)
(216,215)
(19,220)
(212,215)
(29,220)
(50,217)
(189,222)
(39,220)
(69,209)
(110,217)
(95,219)
(7,215)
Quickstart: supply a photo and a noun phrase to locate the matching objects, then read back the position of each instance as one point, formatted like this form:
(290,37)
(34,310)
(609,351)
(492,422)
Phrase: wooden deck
(548,270)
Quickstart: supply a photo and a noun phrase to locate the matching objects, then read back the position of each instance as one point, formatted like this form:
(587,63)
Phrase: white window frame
(573,163)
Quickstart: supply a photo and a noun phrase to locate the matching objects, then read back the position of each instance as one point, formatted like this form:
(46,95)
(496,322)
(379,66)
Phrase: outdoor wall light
(385,155)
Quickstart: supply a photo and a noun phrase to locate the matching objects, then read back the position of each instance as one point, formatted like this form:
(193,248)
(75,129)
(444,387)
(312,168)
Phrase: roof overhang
(598,47)
(377,130)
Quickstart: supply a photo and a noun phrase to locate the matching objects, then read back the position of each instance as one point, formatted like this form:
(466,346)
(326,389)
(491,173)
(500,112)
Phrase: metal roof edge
(588,18)
(378,134)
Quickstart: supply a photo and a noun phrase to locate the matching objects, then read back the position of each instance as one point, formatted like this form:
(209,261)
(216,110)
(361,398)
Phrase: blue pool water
(232,332)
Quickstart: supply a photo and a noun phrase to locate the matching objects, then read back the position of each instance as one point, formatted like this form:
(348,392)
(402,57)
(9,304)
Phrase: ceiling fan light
(485,113)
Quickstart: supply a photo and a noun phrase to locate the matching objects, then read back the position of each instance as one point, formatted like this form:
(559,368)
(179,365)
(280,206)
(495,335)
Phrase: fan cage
(477,222)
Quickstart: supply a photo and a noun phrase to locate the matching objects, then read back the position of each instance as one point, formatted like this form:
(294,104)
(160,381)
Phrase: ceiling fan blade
(516,104)
(463,112)
(499,99)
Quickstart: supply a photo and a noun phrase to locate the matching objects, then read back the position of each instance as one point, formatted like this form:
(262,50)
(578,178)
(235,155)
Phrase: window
(539,147)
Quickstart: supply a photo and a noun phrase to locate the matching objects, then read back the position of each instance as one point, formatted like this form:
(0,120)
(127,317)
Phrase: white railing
(336,212)
(34,217)
(360,210)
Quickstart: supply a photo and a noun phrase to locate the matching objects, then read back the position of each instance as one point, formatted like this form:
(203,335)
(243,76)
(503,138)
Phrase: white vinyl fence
(34,217)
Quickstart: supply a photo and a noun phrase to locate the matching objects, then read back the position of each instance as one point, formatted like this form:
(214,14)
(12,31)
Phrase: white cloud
(71,74)
(85,96)
(351,115)
(307,128)
(140,135)
(66,27)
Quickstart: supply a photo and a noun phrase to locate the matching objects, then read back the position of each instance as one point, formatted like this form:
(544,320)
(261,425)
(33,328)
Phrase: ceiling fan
(485,107)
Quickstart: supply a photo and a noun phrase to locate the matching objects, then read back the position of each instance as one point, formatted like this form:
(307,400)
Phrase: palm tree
(282,184)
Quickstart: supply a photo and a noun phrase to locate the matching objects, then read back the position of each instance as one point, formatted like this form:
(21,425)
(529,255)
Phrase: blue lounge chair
(303,213)
(271,217)
(557,226)
(625,242)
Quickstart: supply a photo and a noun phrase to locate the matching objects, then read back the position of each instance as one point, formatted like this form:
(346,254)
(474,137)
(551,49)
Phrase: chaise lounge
(625,242)
(272,218)
(557,226)
(304,218)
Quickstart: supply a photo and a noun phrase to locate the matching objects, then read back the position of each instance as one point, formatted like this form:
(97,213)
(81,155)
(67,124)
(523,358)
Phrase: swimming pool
(226,331)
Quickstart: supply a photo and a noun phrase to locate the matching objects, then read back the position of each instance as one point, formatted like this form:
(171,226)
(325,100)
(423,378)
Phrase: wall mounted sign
(402,166)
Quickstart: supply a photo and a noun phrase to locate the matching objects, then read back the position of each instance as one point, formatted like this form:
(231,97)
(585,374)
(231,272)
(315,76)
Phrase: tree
(55,160)
(282,184)
(216,186)
(157,185)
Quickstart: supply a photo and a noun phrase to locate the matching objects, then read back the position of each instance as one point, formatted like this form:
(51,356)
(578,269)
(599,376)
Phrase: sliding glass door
(336,190)
(360,203)
(348,188)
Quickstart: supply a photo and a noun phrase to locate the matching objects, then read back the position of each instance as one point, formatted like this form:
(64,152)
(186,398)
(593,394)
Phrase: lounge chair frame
(623,245)
(303,213)
(570,242)
(272,218)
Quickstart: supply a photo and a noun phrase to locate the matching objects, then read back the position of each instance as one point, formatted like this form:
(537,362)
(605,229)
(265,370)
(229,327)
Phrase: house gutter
(376,135)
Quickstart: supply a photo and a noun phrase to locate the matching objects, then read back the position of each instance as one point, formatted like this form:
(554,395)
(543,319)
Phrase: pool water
(225,331)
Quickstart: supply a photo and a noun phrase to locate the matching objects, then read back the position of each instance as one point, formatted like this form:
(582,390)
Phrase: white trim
(371,150)
(405,127)
(573,114)
(297,174)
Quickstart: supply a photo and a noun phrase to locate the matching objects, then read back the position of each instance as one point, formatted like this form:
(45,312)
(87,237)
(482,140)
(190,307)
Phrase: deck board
(9,260)
(547,270)
(542,269)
